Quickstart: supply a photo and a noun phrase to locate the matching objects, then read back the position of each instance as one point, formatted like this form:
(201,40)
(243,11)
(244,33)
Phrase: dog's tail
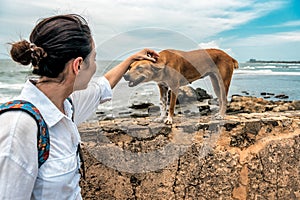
(235,64)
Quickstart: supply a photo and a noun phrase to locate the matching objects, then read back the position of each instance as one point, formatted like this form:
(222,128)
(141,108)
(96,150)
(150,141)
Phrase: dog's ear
(158,65)
(134,64)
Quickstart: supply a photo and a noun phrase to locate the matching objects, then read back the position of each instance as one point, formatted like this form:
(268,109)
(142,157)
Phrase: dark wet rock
(267,97)
(125,113)
(204,110)
(141,105)
(245,92)
(153,109)
(202,94)
(267,94)
(281,96)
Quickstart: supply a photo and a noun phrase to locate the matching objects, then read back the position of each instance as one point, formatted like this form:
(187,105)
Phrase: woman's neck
(57,92)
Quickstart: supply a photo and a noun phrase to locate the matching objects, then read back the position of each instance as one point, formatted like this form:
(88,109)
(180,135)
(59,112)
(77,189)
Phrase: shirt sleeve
(18,155)
(86,101)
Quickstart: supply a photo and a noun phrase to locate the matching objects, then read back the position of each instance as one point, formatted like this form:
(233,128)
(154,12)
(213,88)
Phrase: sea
(265,80)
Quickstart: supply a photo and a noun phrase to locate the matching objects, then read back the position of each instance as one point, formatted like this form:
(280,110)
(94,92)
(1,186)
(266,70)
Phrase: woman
(62,53)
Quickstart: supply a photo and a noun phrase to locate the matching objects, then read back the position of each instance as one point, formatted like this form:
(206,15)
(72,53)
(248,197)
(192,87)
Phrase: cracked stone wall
(246,156)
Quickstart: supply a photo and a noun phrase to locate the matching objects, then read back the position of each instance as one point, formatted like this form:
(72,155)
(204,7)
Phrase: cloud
(210,44)
(214,44)
(123,44)
(293,23)
(269,39)
(197,20)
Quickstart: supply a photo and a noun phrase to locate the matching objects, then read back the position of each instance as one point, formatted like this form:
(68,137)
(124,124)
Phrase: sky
(245,29)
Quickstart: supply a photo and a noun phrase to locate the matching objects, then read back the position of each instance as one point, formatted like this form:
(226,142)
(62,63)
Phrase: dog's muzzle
(132,83)
(126,77)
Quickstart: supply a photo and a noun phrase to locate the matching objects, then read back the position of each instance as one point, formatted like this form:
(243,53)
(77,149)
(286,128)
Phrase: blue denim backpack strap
(43,140)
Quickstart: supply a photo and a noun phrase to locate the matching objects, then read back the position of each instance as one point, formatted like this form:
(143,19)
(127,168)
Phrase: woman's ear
(76,64)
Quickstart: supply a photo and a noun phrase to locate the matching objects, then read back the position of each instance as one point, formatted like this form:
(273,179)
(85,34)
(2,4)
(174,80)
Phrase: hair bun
(25,53)
(37,54)
(21,53)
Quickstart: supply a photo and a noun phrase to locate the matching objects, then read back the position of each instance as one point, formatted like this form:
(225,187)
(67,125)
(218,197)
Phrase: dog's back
(196,63)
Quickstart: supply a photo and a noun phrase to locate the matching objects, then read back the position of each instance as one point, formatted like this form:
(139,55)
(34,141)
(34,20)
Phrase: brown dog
(176,68)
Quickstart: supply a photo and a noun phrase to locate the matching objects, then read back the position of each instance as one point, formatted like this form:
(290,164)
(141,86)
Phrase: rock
(141,106)
(245,92)
(153,109)
(204,110)
(280,108)
(248,104)
(125,113)
(267,94)
(185,94)
(188,94)
(244,156)
(281,96)
(296,104)
(202,94)
(267,97)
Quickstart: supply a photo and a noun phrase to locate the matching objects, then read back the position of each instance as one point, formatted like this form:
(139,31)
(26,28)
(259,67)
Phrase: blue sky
(260,29)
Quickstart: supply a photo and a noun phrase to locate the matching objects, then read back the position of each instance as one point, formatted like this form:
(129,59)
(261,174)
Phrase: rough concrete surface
(248,155)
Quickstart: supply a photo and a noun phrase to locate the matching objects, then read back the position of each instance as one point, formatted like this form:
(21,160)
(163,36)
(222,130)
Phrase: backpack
(43,140)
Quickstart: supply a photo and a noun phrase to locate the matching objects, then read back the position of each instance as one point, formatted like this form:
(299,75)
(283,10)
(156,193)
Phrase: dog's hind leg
(219,89)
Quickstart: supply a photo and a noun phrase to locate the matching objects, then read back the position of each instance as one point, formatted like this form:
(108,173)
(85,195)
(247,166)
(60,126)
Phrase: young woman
(62,53)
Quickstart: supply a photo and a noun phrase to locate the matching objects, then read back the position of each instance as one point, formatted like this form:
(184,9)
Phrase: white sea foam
(265,72)
(5,98)
(249,67)
(267,67)
(293,67)
(13,86)
(277,66)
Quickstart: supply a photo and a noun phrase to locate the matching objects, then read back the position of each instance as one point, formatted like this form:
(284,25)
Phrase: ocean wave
(5,98)
(13,86)
(268,67)
(265,72)
(293,67)
(249,67)
(277,66)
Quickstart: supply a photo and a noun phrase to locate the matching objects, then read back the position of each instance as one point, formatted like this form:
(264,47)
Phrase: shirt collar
(51,114)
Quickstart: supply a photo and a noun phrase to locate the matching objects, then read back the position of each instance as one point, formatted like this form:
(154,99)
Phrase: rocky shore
(254,153)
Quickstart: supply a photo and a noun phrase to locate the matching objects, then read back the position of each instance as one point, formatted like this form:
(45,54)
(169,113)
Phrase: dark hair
(53,42)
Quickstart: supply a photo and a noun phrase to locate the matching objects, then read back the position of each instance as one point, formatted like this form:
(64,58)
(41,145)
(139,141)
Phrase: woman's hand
(145,54)
(115,74)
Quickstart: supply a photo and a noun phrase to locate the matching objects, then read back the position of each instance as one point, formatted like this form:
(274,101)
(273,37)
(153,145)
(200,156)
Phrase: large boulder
(245,156)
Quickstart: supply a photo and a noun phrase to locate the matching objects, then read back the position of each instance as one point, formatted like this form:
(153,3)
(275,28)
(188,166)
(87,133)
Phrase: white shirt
(58,177)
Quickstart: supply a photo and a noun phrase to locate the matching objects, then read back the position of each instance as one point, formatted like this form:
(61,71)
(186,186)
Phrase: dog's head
(144,71)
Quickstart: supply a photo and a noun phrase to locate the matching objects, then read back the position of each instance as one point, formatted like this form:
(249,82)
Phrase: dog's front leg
(173,99)
(163,90)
